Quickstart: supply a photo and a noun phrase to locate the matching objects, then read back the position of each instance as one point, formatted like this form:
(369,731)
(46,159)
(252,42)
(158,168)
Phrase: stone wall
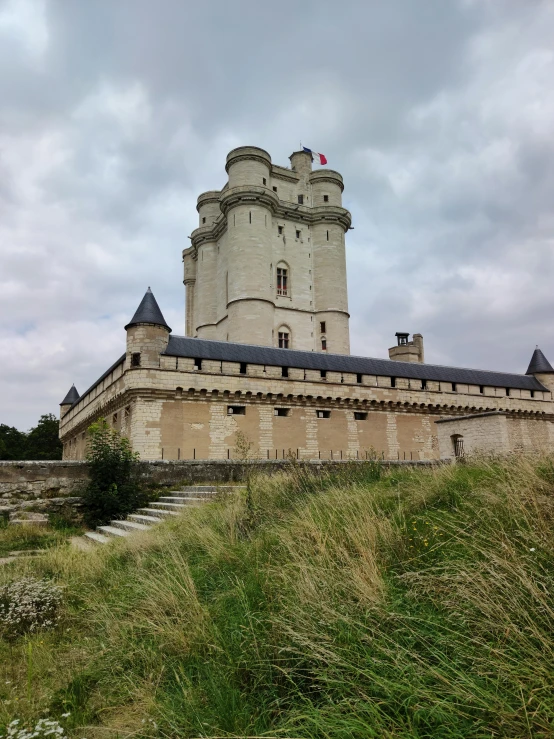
(494,433)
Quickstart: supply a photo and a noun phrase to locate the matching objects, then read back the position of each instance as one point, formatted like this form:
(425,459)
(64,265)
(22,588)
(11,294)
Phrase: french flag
(319,158)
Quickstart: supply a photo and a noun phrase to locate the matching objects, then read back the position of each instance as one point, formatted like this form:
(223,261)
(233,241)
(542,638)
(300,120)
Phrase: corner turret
(147,334)
(68,401)
(541,369)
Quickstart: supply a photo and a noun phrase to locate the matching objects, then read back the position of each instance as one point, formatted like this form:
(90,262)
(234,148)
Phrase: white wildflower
(28,605)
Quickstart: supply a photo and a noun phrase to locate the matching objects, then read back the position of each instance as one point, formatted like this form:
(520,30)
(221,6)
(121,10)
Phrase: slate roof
(71,396)
(182,346)
(99,380)
(148,312)
(539,363)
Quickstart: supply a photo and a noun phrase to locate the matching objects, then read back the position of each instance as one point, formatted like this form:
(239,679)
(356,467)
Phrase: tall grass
(408,603)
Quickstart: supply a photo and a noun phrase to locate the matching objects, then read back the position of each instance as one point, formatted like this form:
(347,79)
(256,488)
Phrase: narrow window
(323,345)
(327,235)
(282,281)
(323,374)
(264,181)
(359,378)
(280,230)
(481,389)
(532,393)
(242,368)
(297,234)
(236,410)
(274,188)
(326,198)
(234,219)
(197,364)
(424,384)
(282,411)
(393,381)
(454,387)
(359,416)
(127,411)
(250,216)
(114,418)
(284,371)
(204,220)
(508,391)
(322,327)
(301,200)
(323,414)
(135,359)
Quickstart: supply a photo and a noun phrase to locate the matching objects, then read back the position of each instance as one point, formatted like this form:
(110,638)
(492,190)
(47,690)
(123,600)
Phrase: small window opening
(274,188)
(326,198)
(393,381)
(264,181)
(179,392)
(323,414)
(327,235)
(114,418)
(297,234)
(508,391)
(424,384)
(236,410)
(204,219)
(359,378)
(282,411)
(127,411)
(242,368)
(282,282)
(280,230)
(250,216)
(135,359)
(323,345)
(481,389)
(283,340)
(323,374)
(322,327)
(454,387)
(532,393)
(284,371)
(359,416)
(301,200)
(197,364)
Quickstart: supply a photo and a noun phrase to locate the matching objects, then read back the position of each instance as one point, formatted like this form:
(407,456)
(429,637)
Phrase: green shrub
(114,490)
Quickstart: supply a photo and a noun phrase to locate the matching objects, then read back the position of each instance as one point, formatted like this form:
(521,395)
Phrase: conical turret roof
(71,396)
(148,312)
(539,364)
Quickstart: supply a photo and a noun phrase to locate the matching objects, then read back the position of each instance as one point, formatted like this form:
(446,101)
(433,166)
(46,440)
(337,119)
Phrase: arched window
(457,445)
(323,344)
(284,337)
(283,279)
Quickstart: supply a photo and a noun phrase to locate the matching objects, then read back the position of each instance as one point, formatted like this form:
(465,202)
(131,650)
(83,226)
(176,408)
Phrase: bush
(113,490)
(28,605)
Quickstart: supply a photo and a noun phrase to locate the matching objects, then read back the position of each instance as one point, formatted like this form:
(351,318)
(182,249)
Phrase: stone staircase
(172,504)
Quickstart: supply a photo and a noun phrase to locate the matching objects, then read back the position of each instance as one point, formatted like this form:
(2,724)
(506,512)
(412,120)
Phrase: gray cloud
(116,115)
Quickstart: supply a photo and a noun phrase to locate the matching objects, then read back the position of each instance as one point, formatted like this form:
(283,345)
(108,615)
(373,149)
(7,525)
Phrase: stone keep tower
(267,263)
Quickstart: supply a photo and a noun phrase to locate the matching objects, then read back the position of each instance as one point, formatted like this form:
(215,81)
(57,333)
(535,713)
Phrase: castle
(267,349)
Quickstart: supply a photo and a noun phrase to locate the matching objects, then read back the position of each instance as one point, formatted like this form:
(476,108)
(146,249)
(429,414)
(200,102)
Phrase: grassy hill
(402,603)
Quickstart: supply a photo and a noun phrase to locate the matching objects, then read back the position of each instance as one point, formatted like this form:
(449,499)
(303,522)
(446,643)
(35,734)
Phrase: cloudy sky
(116,114)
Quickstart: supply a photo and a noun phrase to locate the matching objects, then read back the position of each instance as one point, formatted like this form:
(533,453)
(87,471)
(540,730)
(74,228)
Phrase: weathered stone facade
(187,398)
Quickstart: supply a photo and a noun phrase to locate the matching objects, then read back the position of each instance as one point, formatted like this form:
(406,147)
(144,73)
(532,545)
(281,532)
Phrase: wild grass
(30,536)
(401,603)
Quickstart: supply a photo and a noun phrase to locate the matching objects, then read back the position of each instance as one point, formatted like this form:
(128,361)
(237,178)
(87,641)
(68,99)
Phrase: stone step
(182,499)
(169,506)
(191,494)
(140,518)
(209,489)
(96,537)
(111,531)
(157,512)
(129,525)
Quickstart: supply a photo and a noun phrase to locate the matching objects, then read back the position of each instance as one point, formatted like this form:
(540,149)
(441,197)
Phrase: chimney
(406,350)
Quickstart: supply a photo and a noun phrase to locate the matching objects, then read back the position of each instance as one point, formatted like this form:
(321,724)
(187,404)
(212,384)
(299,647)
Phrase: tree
(13,443)
(43,441)
(114,490)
